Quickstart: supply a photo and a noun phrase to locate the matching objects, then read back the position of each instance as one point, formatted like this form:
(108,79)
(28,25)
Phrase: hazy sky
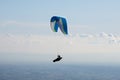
(84,16)
(93,29)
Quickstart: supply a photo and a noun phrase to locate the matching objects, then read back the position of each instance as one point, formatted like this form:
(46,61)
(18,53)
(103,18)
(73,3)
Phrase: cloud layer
(70,44)
(81,48)
(21,24)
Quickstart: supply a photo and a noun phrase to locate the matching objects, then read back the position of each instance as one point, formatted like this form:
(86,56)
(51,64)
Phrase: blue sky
(89,16)
(93,28)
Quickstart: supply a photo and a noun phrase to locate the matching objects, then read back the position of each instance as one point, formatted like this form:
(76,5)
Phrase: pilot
(57,59)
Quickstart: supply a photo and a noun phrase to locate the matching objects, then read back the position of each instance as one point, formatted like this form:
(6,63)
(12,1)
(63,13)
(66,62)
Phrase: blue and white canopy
(60,22)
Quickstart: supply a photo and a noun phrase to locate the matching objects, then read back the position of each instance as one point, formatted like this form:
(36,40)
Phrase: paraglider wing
(54,23)
(63,25)
(60,22)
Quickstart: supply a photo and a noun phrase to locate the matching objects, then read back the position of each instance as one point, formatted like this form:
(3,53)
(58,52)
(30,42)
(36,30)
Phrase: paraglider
(61,23)
(58,58)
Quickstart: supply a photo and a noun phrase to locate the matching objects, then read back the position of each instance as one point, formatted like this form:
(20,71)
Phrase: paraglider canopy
(59,22)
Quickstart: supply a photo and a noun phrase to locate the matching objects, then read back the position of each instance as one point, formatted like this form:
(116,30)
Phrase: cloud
(51,44)
(74,49)
(21,24)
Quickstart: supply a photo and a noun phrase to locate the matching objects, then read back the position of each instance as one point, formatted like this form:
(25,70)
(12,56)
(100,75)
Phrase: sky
(93,27)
